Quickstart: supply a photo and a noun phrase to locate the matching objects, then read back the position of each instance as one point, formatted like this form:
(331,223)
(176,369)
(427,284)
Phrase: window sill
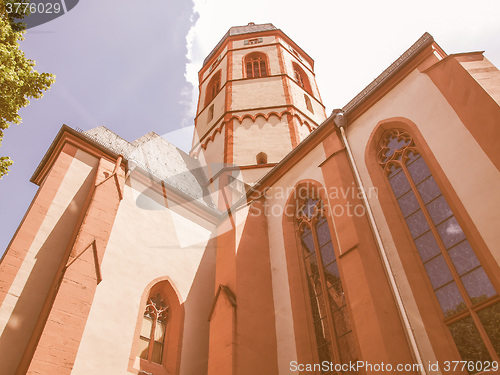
(149,368)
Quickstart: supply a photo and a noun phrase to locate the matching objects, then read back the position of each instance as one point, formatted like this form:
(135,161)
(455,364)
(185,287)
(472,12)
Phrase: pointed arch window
(332,327)
(154,323)
(213,88)
(466,295)
(256,65)
(301,77)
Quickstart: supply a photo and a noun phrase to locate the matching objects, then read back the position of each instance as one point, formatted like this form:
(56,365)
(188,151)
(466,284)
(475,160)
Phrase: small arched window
(301,77)
(332,327)
(213,88)
(154,323)
(308,103)
(211,113)
(468,299)
(255,65)
(261,158)
(158,333)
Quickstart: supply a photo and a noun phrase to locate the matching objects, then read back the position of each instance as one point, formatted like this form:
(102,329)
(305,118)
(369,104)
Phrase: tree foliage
(19,81)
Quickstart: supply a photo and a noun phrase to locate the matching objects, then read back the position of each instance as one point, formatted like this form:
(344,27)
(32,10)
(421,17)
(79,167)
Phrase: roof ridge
(405,56)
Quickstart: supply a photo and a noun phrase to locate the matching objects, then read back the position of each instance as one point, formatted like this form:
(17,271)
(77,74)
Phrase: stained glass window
(332,326)
(455,274)
(152,337)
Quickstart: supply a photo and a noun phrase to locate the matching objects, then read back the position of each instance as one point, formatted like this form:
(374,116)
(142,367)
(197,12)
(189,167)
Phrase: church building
(286,242)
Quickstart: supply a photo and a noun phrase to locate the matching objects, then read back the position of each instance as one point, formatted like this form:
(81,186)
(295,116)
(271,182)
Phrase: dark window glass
(490,318)
(440,242)
(450,232)
(323,275)
(341,320)
(427,246)
(332,275)
(468,341)
(256,69)
(417,223)
(418,170)
(308,242)
(450,299)
(327,254)
(347,351)
(478,285)
(439,210)
(263,71)
(400,184)
(408,203)
(323,232)
(428,189)
(438,271)
(463,257)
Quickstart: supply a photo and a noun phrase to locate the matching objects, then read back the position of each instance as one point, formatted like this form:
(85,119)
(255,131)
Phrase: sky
(132,66)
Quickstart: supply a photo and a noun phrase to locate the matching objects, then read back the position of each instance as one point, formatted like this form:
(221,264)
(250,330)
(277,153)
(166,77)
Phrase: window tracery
(154,323)
(469,301)
(332,327)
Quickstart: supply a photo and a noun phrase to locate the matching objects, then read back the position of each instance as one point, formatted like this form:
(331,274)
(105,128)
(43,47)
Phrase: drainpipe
(341,122)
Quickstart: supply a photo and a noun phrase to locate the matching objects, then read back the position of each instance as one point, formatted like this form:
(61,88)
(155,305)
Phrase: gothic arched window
(213,88)
(154,323)
(468,299)
(255,65)
(158,333)
(301,77)
(332,327)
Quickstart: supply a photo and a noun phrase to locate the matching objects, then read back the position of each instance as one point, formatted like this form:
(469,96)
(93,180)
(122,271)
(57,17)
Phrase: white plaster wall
(307,168)
(469,170)
(214,153)
(271,136)
(297,94)
(258,93)
(145,244)
(265,40)
(303,130)
(21,307)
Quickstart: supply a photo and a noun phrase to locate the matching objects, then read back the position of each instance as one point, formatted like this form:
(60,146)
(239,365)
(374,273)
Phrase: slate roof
(161,159)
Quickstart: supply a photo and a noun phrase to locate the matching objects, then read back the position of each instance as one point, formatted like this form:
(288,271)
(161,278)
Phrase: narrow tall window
(255,65)
(211,113)
(469,301)
(308,103)
(301,77)
(332,327)
(213,88)
(154,322)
